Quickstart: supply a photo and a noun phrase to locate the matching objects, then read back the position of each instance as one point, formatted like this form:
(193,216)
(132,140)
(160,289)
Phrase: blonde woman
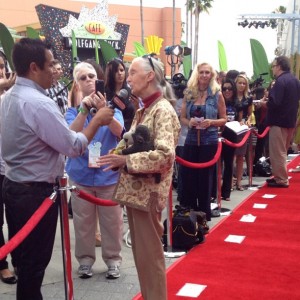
(245,104)
(203,111)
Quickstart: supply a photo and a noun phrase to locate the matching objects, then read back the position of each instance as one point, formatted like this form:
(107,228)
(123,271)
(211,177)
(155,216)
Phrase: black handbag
(189,228)
(262,168)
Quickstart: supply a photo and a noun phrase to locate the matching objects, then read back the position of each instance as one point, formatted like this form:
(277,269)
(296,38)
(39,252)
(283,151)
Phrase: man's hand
(104,116)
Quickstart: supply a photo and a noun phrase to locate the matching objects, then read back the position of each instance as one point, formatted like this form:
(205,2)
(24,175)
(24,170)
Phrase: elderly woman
(137,189)
(203,111)
(87,176)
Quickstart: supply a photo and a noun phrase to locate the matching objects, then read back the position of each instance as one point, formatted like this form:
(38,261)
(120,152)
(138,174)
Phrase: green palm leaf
(7,43)
(108,52)
(32,33)
(139,49)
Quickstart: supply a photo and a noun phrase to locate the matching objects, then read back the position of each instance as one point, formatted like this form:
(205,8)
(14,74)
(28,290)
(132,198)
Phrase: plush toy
(137,141)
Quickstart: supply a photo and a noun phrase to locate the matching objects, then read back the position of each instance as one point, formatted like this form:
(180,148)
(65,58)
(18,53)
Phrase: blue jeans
(34,253)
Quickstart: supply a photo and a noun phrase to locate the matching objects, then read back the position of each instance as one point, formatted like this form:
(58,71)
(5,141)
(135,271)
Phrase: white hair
(79,67)
(162,84)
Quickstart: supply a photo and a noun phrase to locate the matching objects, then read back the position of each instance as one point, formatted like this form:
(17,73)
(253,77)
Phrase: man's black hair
(283,62)
(27,51)
(232,74)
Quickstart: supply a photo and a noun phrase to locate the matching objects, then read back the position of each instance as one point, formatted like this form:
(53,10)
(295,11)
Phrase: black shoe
(278,185)
(9,280)
(270,180)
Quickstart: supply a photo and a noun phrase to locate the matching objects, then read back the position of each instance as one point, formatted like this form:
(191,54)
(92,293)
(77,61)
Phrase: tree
(187,23)
(142,21)
(196,7)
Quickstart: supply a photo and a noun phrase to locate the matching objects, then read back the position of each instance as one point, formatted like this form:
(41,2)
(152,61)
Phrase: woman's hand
(112,161)
(94,100)
(194,122)
(206,123)
(6,83)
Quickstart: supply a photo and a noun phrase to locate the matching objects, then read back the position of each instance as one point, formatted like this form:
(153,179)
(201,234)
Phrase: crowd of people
(56,131)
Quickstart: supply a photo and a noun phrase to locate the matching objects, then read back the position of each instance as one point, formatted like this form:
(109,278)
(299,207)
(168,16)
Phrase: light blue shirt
(78,169)
(35,135)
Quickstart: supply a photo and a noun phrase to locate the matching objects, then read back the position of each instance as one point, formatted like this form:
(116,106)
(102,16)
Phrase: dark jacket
(284,101)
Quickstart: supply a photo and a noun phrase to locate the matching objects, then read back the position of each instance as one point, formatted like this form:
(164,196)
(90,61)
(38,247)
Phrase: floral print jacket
(137,187)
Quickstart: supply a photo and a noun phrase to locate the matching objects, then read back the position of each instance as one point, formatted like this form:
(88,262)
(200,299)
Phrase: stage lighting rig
(177,50)
(174,54)
(256,24)
(273,23)
(244,23)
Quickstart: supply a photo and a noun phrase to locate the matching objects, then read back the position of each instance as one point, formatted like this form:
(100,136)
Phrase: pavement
(98,287)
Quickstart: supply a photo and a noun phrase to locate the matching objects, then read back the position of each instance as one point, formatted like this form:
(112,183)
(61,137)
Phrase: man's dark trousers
(34,253)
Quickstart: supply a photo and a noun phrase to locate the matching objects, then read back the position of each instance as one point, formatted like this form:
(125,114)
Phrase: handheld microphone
(120,100)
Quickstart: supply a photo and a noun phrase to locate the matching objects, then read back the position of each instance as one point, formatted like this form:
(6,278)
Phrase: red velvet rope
(95,200)
(27,228)
(218,153)
(240,144)
(262,135)
(201,165)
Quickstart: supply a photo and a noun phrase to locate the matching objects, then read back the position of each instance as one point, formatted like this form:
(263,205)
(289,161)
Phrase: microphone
(120,100)
(64,88)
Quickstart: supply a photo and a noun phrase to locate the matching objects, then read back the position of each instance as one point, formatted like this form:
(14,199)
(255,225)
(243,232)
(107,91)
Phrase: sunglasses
(117,59)
(224,89)
(150,61)
(84,77)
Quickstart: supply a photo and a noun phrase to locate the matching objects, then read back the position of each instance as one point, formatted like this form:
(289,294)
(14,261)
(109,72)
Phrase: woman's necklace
(202,94)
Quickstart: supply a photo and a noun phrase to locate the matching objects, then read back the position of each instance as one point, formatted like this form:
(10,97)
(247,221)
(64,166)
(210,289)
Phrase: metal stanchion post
(219,181)
(65,238)
(250,163)
(250,160)
(170,253)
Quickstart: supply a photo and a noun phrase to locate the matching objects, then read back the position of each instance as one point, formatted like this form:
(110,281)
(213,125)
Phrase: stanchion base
(254,187)
(171,252)
(225,211)
(174,254)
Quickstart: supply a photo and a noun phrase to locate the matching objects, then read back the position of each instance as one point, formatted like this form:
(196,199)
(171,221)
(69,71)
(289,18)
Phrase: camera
(256,86)
(179,84)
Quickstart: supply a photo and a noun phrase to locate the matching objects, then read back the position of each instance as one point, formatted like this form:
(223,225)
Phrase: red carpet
(265,265)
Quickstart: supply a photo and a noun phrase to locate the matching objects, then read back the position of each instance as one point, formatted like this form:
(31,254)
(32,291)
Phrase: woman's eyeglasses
(224,89)
(84,77)
(150,61)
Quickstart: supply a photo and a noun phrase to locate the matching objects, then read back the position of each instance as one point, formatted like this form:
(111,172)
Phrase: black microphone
(262,74)
(64,88)
(120,100)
